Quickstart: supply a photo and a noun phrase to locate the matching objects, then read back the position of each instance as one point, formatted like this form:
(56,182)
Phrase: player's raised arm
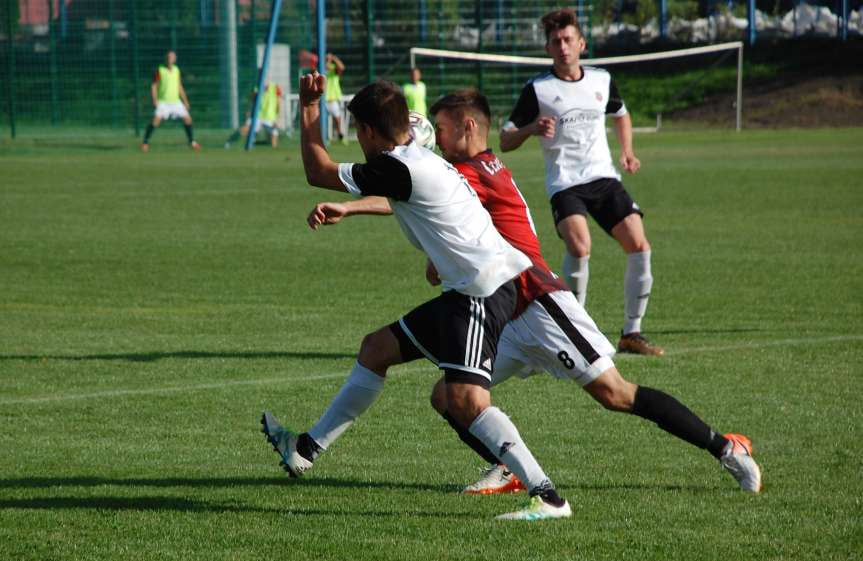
(321,170)
(327,214)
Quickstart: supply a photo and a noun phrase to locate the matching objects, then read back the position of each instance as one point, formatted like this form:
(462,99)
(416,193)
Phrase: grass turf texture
(154,304)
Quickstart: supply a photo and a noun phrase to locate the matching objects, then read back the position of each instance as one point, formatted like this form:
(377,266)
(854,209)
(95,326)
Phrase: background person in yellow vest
(170,101)
(268,116)
(415,92)
(335,69)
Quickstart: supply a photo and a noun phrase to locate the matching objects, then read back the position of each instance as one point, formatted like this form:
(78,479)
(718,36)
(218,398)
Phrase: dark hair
(560,19)
(382,106)
(460,102)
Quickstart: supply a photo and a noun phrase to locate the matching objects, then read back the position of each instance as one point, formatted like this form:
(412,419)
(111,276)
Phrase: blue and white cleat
(284,443)
(538,509)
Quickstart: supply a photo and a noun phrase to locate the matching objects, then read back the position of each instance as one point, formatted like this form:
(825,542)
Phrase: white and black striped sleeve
(526,109)
(383,176)
(615,104)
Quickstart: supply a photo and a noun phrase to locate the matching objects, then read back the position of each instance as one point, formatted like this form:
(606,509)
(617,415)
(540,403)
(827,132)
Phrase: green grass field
(154,304)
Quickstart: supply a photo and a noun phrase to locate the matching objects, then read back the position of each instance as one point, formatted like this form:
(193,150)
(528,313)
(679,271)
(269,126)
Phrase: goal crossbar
(605,61)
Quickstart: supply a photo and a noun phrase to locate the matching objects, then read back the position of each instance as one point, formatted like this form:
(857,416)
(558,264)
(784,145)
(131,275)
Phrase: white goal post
(607,61)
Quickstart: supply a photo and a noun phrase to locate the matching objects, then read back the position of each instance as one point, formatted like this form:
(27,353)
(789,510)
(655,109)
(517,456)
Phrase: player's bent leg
(637,283)
(360,391)
(497,432)
(575,234)
(380,350)
(507,482)
(612,391)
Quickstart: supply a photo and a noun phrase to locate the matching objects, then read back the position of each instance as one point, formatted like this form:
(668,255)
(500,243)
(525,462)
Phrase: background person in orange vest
(170,101)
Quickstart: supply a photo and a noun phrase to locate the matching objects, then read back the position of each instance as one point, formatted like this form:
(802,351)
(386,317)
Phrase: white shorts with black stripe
(457,332)
(555,335)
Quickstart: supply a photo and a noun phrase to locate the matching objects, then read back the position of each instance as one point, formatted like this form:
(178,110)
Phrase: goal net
(651,83)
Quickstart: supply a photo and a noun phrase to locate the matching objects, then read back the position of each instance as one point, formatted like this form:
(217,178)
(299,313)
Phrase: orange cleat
(496,479)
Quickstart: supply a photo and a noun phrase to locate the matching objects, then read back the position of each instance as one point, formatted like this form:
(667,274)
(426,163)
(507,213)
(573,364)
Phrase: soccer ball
(422,130)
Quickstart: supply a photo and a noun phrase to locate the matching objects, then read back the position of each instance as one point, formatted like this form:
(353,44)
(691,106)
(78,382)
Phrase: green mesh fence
(72,65)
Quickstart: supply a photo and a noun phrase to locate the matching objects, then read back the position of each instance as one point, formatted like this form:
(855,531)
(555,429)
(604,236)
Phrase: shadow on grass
(154,356)
(218,482)
(172,504)
(312,482)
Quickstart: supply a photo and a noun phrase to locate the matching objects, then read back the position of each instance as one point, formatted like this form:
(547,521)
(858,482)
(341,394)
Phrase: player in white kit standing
(566,108)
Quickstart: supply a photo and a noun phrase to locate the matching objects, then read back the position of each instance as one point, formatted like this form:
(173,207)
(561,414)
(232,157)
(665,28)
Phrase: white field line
(344,373)
(193,388)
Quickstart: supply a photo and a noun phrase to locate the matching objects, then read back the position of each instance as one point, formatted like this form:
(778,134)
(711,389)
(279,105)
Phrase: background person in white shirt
(566,107)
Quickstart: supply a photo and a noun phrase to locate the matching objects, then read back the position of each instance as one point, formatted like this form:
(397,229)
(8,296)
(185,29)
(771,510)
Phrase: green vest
(415,94)
(169,84)
(334,86)
(270,103)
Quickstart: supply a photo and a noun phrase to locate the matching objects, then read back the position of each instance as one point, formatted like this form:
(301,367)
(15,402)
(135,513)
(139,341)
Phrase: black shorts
(604,199)
(459,333)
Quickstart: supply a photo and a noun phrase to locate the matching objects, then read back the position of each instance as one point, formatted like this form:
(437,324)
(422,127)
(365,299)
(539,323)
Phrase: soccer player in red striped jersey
(552,331)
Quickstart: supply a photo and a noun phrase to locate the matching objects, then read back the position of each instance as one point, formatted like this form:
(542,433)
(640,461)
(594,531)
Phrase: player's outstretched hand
(545,127)
(325,214)
(629,162)
(312,87)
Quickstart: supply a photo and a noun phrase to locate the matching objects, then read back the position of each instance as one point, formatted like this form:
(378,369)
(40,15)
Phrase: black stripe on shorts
(559,317)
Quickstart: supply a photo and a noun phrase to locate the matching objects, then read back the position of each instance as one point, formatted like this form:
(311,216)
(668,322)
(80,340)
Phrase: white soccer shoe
(538,509)
(495,479)
(737,459)
(285,444)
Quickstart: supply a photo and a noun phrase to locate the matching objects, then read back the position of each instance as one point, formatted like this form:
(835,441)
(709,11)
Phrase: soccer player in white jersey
(566,107)
(442,216)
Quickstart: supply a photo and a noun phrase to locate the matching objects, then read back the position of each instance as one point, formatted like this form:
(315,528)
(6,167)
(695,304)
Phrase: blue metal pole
(750,13)
(423,17)
(843,34)
(322,62)
(663,19)
(262,77)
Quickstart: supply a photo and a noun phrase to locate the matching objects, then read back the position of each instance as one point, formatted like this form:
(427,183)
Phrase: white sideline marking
(200,387)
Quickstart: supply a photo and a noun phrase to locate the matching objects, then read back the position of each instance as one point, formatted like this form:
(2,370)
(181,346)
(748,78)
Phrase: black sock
(234,137)
(189,134)
(675,418)
(148,133)
(475,444)
(547,493)
(307,447)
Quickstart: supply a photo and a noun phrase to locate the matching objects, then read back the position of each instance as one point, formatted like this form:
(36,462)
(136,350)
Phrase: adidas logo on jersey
(487,364)
(557,99)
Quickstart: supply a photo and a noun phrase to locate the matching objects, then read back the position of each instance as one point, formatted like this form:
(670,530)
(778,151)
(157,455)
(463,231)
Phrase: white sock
(636,290)
(360,390)
(494,429)
(576,273)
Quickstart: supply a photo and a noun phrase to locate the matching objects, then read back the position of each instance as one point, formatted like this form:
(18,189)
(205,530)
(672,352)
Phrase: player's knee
(438,397)
(466,401)
(577,247)
(377,352)
(613,392)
